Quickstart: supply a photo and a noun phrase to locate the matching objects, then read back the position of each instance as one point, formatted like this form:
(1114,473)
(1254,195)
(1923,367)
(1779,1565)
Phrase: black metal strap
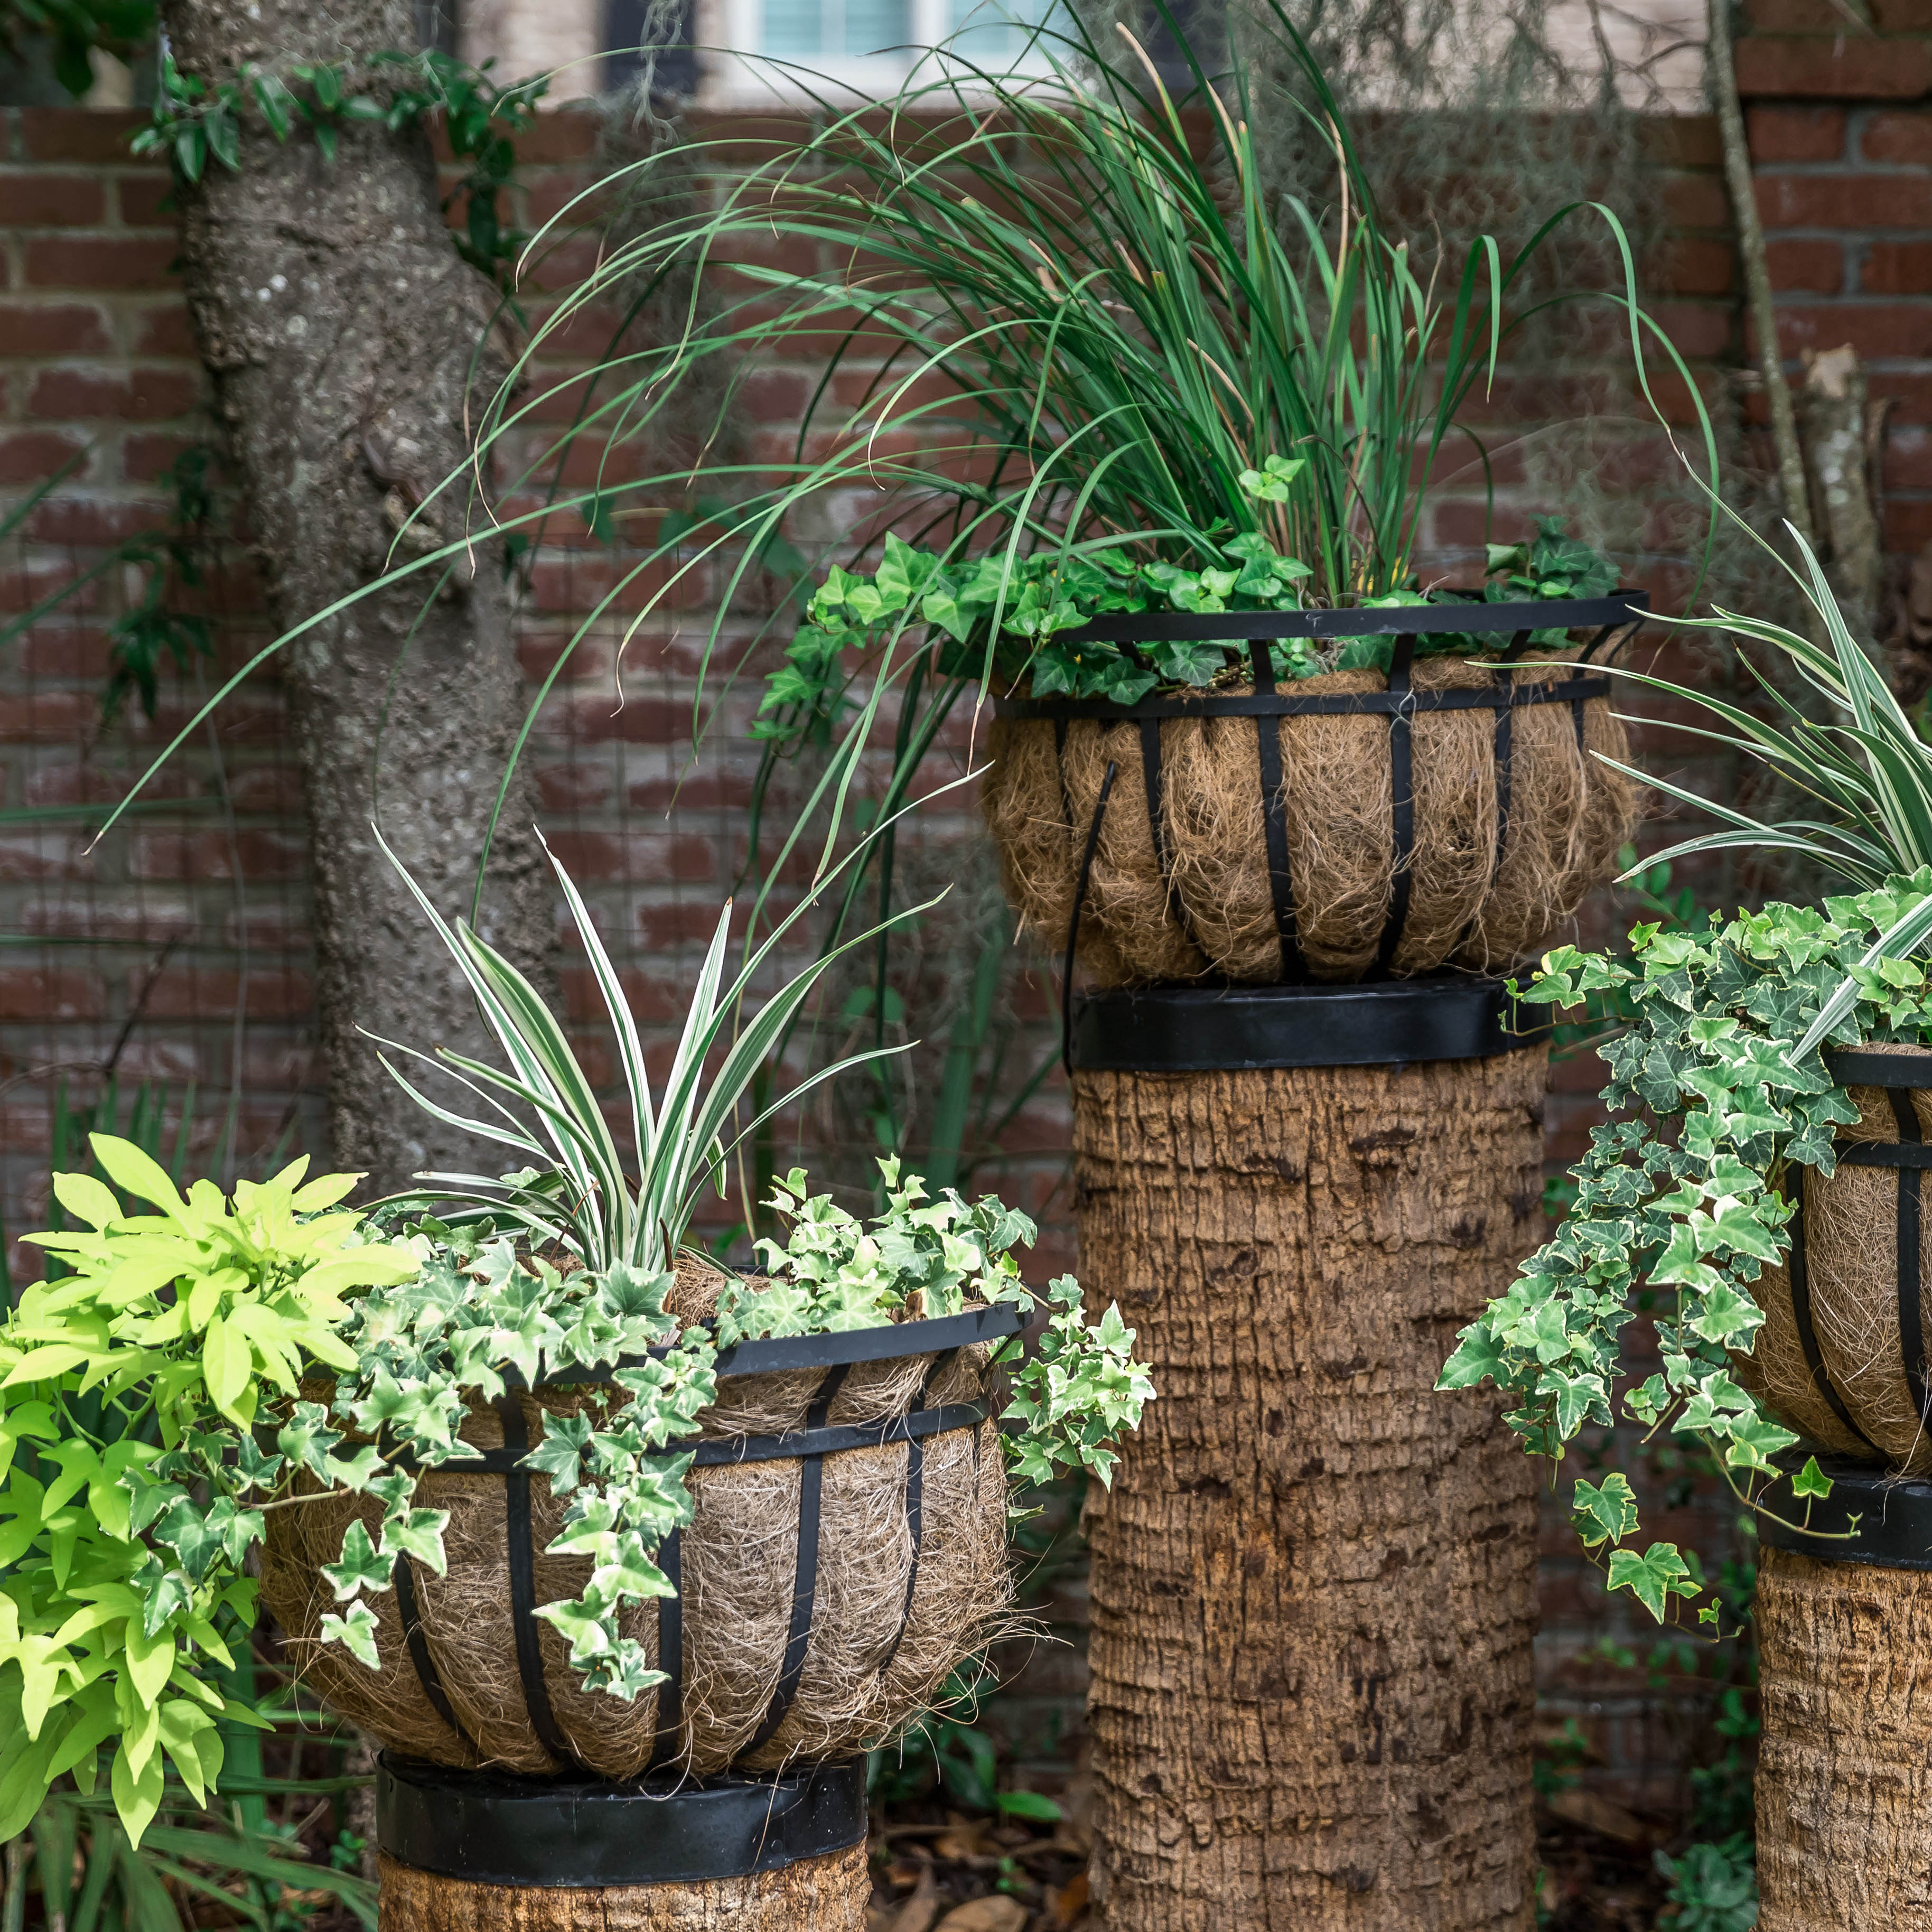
(1911,1327)
(804,1580)
(1402,803)
(915,1506)
(523,1581)
(1289,704)
(1157,827)
(1798,1274)
(1505,675)
(1073,921)
(1885,1153)
(712,1452)
(671,1651)
(427,1675)
(1274,821)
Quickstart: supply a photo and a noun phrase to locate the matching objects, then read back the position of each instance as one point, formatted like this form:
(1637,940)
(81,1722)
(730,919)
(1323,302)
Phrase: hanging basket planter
(848,1551)
(1841,1357)
(1347,826)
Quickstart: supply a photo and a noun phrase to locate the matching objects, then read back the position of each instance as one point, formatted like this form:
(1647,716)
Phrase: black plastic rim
(1201,1029)
(1894,1531)
(493,1828)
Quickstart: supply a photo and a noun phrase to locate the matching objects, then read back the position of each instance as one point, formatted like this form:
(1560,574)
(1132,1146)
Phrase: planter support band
(492,1829)
(1389,1022)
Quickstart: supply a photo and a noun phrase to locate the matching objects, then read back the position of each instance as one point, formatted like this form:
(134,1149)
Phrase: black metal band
(1797,1272)
(1446,612)
(663,1829)
(1913,1154)
(1401,807)
(1389,1022)
(1156,821)
(1893,1526)
(523,1581)
(1274,822)
(915,1508)
(712,1452)
(427,1675)
(804,1579)
(1910,1222)
(671,1651)
(767,1354)
(1073,920)
(1287,704)
(1909,1066)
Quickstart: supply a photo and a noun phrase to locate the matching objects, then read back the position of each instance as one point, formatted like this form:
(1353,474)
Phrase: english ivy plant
(1031,599)
(1717,1090)
(134,1486)
(480,1305)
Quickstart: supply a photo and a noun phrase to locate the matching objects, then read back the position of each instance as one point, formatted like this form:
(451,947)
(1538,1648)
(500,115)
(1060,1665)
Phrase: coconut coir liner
(740,1559)
(1568,814)
(1851,1256)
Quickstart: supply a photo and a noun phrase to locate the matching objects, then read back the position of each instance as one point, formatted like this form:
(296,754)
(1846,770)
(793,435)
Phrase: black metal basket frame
(942,1337)
(1613,618)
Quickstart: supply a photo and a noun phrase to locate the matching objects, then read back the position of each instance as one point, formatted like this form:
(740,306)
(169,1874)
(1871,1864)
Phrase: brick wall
(179,949)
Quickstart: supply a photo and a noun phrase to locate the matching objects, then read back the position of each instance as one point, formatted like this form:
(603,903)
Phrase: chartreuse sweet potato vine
(1717,1088)
(134,1486)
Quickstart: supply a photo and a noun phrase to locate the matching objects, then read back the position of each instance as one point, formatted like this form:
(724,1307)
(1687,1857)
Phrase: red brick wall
(193,918)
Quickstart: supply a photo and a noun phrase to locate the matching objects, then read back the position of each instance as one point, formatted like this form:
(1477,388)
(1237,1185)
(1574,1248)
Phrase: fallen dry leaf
(1070,1902)
(995,1913)
(916,1913)
(1601,1814)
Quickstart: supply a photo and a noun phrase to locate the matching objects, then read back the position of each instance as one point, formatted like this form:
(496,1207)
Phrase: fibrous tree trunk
(343,331)
(1314,1579)
(823,1895)
(1844,1776)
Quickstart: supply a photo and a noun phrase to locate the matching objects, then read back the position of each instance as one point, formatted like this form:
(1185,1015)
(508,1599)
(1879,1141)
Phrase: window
(866,46)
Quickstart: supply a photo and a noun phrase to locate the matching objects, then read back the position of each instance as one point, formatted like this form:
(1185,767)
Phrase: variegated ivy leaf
(356,1631)
(362,1566)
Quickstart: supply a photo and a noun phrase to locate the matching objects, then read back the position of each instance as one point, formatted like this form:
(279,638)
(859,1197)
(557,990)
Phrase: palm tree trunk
(1314,1580)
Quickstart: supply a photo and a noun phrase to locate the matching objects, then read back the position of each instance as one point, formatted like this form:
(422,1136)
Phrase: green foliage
(1025,601)
(150,630)
(76,29)
(91,1877)
(195,121)
(1864,767)
(130,1382)
(1713,1887)
(1716,1091)
(472,1308)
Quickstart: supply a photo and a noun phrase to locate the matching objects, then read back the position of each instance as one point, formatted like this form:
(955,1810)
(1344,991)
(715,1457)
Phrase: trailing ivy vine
(1715,1093)
(195,121)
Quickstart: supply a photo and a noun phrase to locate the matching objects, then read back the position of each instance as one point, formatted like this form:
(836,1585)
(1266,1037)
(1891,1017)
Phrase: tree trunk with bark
(344,331)
(1844,1775)
(823,1895)
(1314,1580)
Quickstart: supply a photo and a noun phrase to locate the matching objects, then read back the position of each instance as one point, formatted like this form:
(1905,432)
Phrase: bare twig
(1796,503)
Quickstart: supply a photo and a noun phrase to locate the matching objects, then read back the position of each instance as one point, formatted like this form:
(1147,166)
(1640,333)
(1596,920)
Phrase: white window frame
(726,79)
